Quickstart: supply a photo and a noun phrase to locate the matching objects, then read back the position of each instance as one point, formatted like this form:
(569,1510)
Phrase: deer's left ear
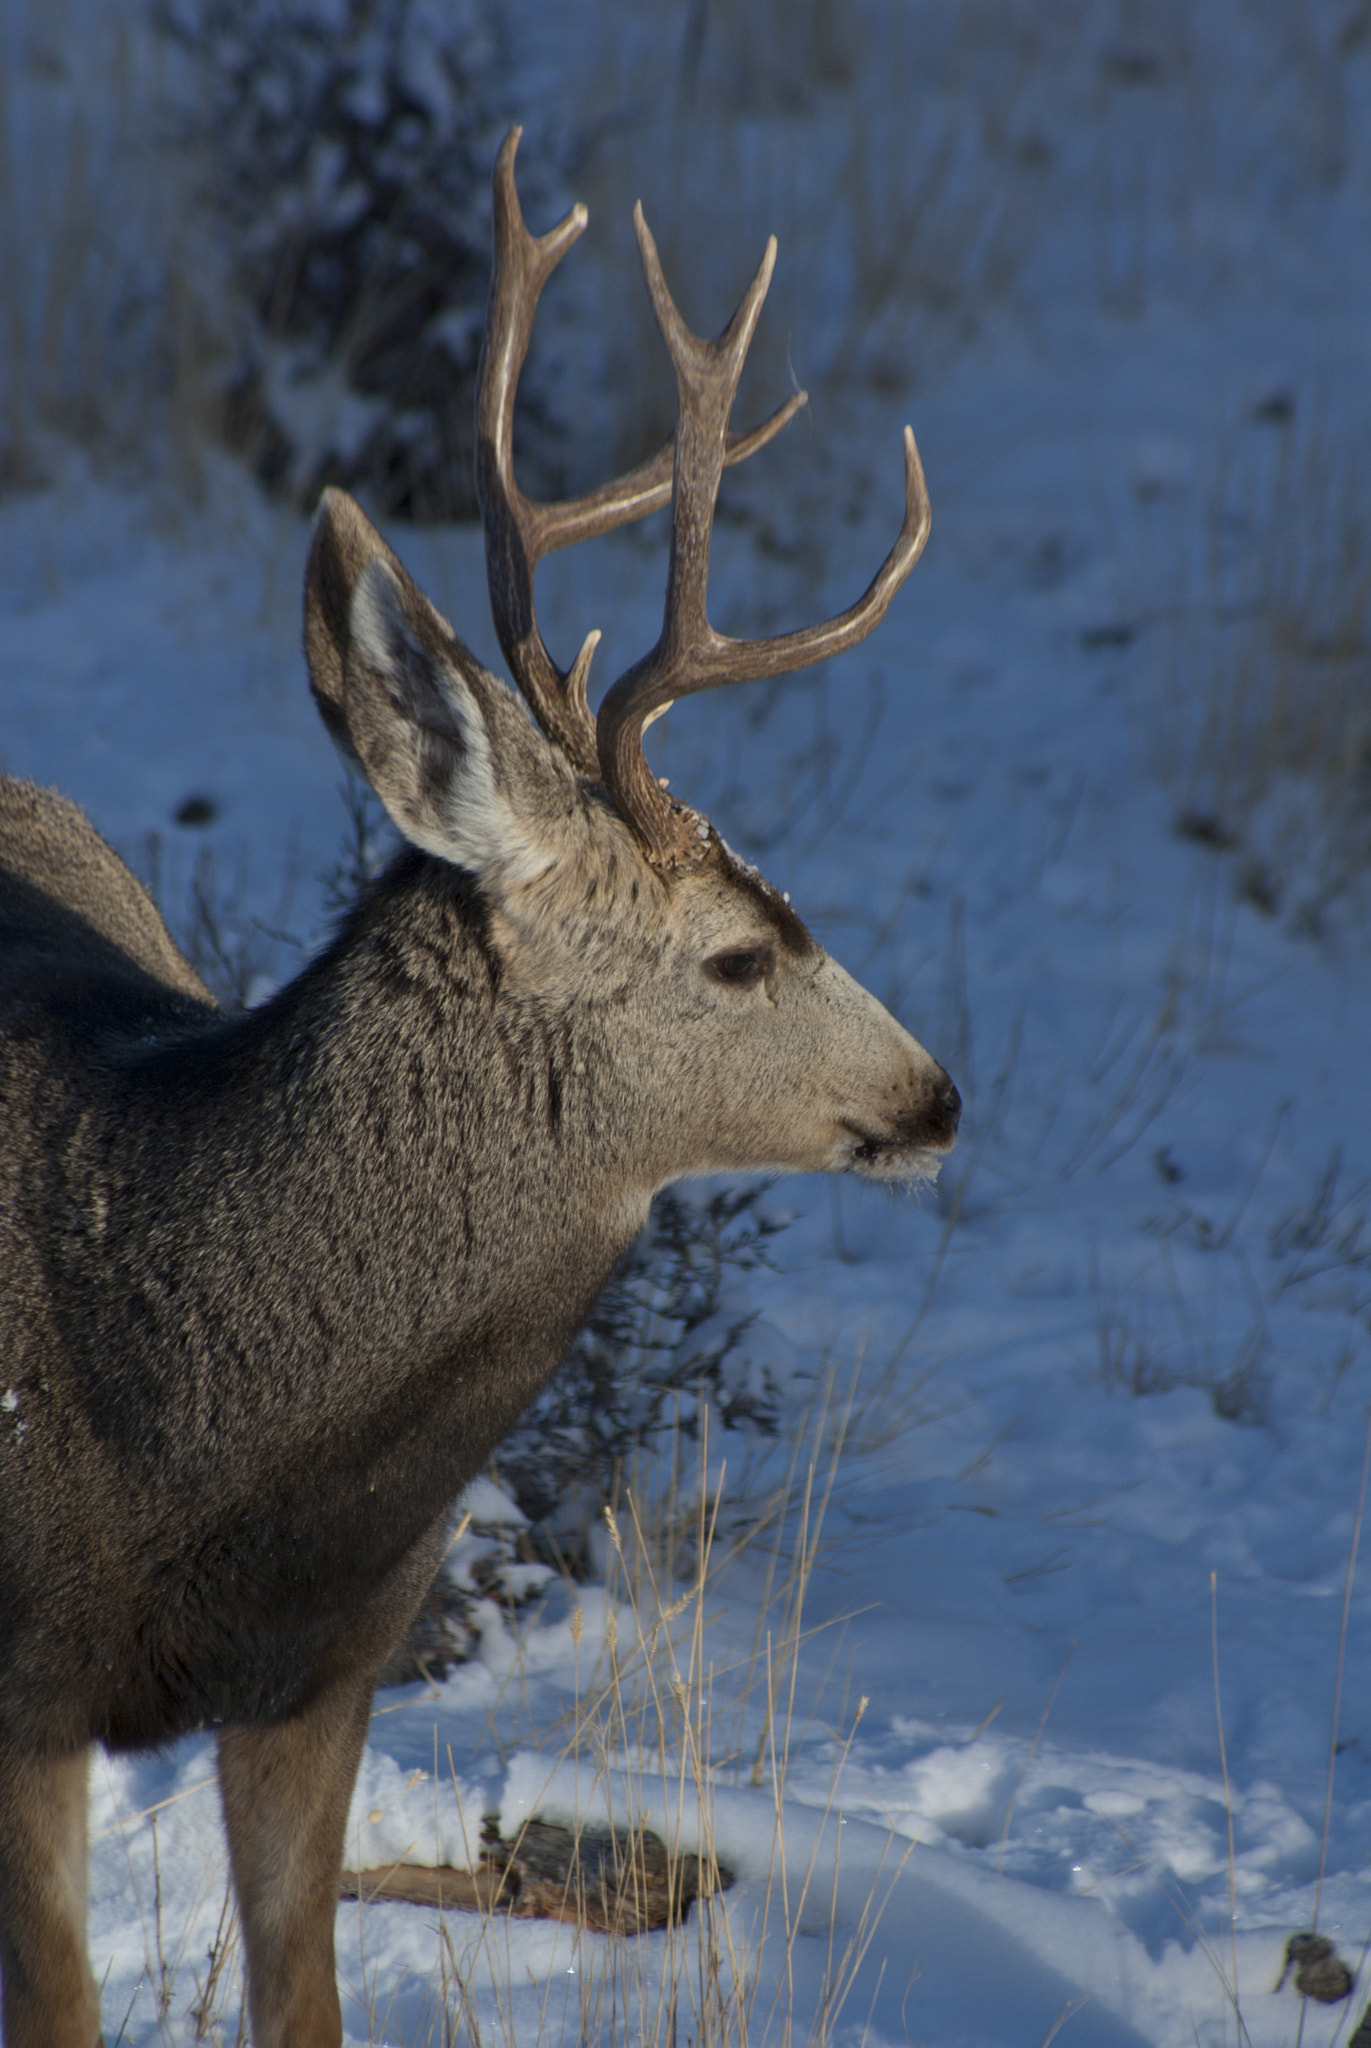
(345,542)
(428,727)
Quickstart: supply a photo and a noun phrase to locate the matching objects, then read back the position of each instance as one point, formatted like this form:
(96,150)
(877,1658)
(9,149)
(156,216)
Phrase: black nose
(943,1112)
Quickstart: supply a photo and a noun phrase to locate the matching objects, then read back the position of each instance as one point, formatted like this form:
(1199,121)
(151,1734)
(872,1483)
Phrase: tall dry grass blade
(1353,1547)
(1227,1788)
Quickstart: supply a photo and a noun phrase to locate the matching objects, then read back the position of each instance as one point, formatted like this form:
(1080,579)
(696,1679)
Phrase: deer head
(736,1041)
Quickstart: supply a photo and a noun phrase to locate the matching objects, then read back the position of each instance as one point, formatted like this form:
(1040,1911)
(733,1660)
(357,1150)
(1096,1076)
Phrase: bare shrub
(236,953)
(668,1339)
(1322,1247)
(1262,727)
(1150,1342)
(348,148)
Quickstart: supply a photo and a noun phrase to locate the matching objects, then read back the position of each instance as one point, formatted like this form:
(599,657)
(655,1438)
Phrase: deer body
(276,1295)
(273,1286)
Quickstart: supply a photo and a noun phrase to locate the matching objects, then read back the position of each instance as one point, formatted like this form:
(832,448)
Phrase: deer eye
(741,970)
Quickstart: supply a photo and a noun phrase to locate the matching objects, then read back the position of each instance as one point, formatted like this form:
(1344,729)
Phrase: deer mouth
(914,1150)
(877,1157)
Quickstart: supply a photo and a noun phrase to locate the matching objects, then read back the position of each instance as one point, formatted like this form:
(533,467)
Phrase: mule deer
(273,1285)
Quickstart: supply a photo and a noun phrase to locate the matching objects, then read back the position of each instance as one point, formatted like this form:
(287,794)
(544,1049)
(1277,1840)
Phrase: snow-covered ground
(1102,1499)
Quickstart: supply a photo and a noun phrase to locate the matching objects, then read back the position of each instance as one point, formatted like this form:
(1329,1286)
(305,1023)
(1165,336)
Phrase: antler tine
(689,654)
(519,531)
(512,521)
(648,487)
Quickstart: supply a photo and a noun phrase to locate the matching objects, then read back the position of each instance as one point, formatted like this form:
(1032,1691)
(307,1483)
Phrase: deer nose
(943,1110)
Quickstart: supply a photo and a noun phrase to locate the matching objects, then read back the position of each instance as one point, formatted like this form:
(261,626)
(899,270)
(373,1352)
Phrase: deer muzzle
(912,1145)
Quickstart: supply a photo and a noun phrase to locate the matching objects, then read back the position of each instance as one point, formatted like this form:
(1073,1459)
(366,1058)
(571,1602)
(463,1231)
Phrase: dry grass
(106,338)
(1153,1338)
(673,1701)
(912,157)
(1261,726)
(660,1722)
(892,150)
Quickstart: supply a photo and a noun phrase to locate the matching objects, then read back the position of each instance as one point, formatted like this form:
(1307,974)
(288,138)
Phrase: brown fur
(273,1286)
(49,1993)
(286,1791)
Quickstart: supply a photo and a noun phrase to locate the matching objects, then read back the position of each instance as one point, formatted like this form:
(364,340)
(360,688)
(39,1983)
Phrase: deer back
(72,916)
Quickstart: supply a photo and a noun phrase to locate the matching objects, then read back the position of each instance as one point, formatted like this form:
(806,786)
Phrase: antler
(690,655)
(518,530)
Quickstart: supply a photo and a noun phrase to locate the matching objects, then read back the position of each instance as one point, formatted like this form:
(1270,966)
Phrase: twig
(123,2025)
(1337,1683)
(1227,1789)
(1179,1906)
(1224,1236)
(128,1820)
(1071,2007)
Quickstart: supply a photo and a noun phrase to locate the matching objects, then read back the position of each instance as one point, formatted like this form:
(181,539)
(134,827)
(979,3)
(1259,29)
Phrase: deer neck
(377,1198)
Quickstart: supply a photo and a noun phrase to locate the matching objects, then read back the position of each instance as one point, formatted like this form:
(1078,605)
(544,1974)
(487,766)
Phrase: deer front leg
(47,1994)
(286,1792)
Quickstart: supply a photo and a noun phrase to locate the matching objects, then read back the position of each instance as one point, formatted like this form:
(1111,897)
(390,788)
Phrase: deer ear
(419,715)
(344,543)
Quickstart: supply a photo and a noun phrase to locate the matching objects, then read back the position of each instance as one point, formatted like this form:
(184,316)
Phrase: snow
(1105,1474)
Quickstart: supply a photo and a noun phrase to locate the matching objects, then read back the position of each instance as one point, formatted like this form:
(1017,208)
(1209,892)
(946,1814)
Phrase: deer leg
(47,1994)
(286,1791)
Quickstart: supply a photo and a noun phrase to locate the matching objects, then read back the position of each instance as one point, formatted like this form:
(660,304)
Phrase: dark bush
(349,146)
(667,1337)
